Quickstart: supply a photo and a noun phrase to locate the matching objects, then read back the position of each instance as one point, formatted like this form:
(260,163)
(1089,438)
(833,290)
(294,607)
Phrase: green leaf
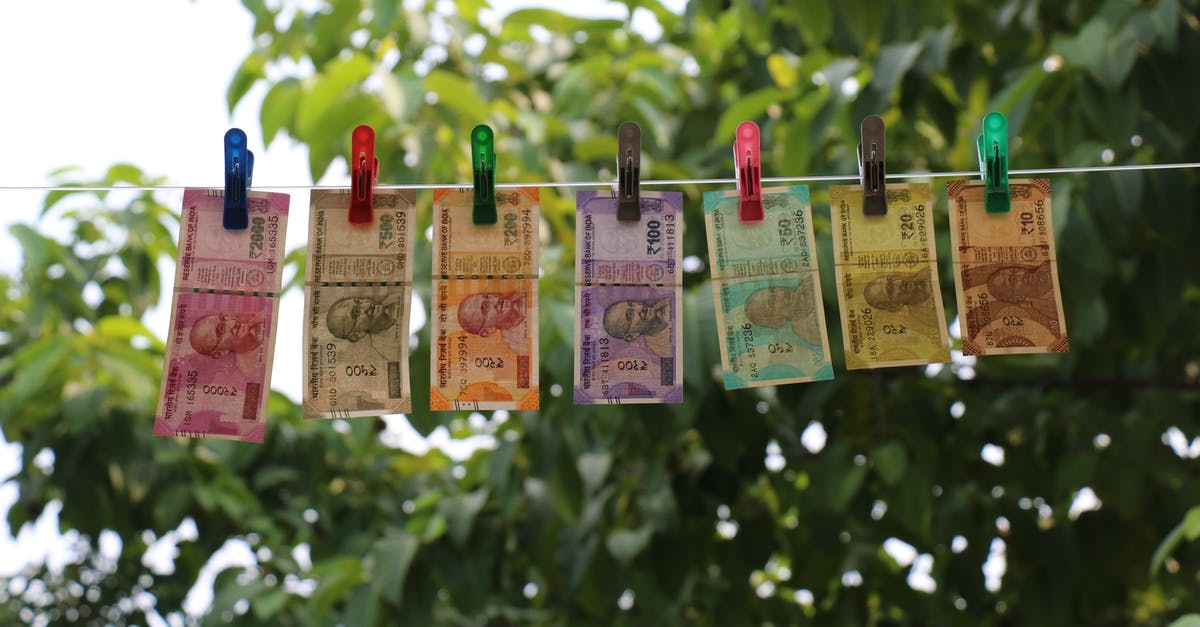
(267,605)
(460,511)
(335,579)
(593,467)
(1188,528)
(815,20)
(891,460)
(249,72)
(1188,620)
(279,108)
(750,107)
(783,69)
(459,95)
(391,557)
(324,92)
(892,64)
(1191,524)
(625,544)
(844,486)
(1107,56)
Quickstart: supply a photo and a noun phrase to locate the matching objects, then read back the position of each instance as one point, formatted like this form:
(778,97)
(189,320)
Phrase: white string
(645,183)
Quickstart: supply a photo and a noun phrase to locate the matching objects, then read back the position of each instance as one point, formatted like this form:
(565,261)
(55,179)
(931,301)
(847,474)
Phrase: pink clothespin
(746,165)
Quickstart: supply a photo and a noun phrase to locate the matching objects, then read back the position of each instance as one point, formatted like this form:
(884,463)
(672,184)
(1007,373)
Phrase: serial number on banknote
(791,232)
(655,231)
(387,230)
(1028,220)
(263,231)
(911,225)
(192,388)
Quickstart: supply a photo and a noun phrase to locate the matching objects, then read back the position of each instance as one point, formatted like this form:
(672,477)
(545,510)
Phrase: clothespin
(239,167)
(629,165)
(993,162)
(747,167)
(483,162)
(364,174)
(871,166)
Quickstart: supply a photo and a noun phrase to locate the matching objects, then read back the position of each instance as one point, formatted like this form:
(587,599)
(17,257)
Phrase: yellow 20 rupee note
(886,267)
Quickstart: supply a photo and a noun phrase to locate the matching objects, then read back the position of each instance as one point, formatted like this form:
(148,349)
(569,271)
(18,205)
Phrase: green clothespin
(993,162)
(483,162)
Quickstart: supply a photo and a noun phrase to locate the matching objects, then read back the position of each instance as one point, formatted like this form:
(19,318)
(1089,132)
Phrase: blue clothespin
(483,163)
(239,167)
(993,162)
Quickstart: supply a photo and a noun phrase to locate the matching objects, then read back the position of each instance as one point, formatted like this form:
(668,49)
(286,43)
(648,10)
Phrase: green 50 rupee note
(767,290)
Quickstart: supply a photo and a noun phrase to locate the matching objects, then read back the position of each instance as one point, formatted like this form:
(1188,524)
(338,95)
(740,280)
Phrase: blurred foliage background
(760,507)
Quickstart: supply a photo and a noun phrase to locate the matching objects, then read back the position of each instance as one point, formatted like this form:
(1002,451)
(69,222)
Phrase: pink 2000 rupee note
(217,371)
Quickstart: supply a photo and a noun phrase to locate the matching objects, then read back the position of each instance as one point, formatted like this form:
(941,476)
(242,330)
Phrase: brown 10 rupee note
(888,289)
(225,308)
(1006,271)
(484,327)
(357,297)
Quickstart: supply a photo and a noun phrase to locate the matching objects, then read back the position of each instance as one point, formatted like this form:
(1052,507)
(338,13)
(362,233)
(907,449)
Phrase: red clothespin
(364,173)
(748,168)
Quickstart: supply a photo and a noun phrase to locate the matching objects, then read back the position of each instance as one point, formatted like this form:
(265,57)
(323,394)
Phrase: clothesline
(646,182)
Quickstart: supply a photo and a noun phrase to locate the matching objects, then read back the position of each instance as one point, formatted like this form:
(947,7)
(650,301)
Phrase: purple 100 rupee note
(628,301)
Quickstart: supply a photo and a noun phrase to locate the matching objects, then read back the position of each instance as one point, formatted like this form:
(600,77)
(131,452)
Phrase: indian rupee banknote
(485,312)
(357,301)
(628,299)
(224,312)
(887,279)
(767,290)
(1006,271)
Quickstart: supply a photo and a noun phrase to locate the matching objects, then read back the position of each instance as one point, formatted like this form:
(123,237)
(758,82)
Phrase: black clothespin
(239,167)
(871,166)
(364,173)
(629,165)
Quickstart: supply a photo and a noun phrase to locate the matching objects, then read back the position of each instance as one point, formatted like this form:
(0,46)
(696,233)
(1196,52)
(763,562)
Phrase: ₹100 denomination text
(225,306)
(358,292)
(628,297)
(767,290)
(886,268)
(1006,271)
(484,320)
